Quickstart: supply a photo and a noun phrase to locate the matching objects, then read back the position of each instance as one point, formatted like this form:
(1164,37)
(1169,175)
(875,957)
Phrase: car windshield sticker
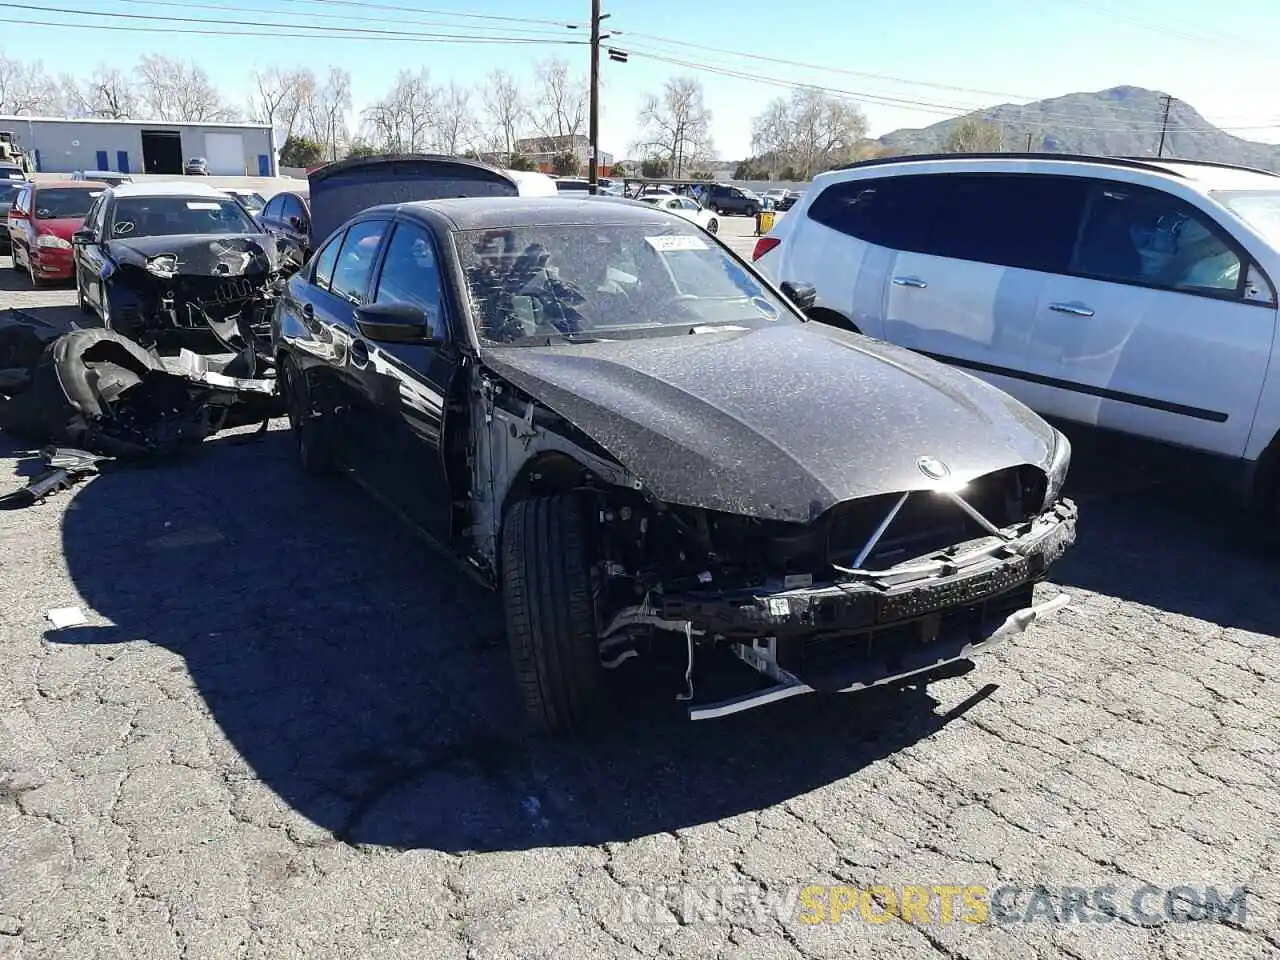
(202,205)
(766,309)
(676,242)
(122,227)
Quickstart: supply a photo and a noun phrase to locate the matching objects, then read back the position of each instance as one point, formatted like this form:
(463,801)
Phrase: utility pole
(1028,143)
(1164,124)
(593,121)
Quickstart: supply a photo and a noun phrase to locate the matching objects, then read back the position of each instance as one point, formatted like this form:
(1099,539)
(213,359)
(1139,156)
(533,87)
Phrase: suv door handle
(910,282)
(1075,309)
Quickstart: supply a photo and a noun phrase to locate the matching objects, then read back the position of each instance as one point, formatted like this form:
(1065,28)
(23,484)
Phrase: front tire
(310,425)
(550,607)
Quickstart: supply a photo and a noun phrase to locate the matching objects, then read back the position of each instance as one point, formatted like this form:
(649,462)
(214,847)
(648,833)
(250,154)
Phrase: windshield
(532,285)
(8,192)
(1258,208)
(174,216)
(64,204)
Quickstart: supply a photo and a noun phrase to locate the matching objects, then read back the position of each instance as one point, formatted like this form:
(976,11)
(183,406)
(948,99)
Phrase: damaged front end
(888,589)
(873,592)
(224,285)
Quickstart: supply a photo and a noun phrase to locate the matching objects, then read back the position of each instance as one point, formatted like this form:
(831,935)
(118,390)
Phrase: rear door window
(1014,221)
(355,261)
(895,212)
(324,262)
(1138,235)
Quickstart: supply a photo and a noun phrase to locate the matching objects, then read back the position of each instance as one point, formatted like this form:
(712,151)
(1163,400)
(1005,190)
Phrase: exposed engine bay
(872,591)
(225,284)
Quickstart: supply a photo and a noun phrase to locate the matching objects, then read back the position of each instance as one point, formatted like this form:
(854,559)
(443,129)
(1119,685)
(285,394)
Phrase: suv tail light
(763,246)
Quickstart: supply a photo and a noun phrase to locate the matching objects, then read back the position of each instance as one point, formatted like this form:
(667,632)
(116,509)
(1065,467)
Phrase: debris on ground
(63,617)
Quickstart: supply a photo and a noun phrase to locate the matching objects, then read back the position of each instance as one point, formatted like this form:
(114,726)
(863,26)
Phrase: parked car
(12,171)
(253,201)
(160,259)
(289,214)
(517,379)
(8,193)
(1136,296)
(41,222)
(197,167)
(572,185)
(789,201)
(722,199)
(687,208)
(111,178)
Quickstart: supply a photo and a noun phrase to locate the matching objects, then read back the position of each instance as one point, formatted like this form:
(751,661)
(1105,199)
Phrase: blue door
(264,165)
(102,160)
(122,161)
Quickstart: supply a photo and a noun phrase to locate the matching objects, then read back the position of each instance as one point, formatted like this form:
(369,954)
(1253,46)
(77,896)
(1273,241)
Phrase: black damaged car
(155,260)
(603,413)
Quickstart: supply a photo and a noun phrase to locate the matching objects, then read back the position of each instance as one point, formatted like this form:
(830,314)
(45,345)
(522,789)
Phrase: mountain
(1119,122)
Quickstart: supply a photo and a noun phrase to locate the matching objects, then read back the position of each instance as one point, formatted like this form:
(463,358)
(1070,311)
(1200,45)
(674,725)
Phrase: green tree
(520,162)
(362,148)
(702,175)
(654,167)
(564,165)
(618,169)
(974,136)
(301,152)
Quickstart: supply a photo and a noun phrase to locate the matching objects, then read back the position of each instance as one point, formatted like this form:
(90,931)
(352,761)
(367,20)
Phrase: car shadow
(368,685)
(1154,532)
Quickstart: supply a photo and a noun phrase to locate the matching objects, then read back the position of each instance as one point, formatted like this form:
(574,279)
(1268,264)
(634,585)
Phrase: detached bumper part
(879,627)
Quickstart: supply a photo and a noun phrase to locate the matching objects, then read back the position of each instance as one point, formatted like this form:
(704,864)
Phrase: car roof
(1199,175)
(487,213)
(108,173)
(167,188)
(67,185)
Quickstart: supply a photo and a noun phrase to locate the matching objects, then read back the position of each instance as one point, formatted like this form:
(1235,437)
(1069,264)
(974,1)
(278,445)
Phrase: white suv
(1136,296)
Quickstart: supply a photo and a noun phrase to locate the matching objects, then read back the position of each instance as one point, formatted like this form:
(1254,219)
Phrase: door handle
(359,354)
(910,282)
(1074,309)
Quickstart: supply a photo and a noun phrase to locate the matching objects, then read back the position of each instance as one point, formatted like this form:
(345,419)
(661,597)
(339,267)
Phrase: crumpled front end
(876,591)
(227,285)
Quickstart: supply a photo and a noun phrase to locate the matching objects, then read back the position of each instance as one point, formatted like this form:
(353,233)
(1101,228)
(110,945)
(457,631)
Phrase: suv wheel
(311,426)
(549,599)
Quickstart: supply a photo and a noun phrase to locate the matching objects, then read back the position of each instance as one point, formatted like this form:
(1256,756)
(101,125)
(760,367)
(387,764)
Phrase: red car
(41,221)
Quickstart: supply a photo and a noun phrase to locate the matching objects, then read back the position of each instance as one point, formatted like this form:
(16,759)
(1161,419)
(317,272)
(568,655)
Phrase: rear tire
(550,608)
(311,426)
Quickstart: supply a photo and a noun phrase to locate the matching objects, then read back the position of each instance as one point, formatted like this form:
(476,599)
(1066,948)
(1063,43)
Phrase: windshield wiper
(547,339)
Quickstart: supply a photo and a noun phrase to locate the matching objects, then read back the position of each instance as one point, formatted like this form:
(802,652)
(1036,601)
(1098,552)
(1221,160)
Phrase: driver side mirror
(82,237)
(803,295)
(395,323)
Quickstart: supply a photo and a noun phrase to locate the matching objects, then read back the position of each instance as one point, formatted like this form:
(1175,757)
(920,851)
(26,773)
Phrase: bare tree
(25,88)
(972,135)
(329,107)
(506,109)
(404,120)
(108,93)
(180,90)
(560,109)
(808,131)
(276,97)
(455,123)
(677,126)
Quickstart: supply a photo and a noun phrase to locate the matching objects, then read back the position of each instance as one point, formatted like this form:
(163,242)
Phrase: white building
(62,145)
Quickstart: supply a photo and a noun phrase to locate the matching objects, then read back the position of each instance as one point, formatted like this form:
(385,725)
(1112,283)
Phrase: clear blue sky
(937,58)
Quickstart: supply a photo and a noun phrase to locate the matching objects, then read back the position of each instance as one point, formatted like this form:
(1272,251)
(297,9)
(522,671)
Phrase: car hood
(62,227)
(208,255)
(778,423)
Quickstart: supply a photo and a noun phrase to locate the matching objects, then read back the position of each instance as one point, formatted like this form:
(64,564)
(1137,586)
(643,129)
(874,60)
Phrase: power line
(539,31)
(398,8)
(275,33)
(345,32)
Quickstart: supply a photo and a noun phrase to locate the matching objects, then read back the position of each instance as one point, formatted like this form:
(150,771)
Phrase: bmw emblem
(933,468)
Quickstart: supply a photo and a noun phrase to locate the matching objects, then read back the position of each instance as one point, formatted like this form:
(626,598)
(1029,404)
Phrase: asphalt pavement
(287,731)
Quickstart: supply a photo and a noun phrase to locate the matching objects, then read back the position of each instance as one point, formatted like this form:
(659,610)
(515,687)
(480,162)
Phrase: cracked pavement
(288,731)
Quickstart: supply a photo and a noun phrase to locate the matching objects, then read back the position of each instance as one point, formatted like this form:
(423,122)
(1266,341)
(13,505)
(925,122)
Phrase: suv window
(411,274)
(291,208)
(355,261)
(894,212)
(272,210)
(324,261)
(1025,221)
(1139,235)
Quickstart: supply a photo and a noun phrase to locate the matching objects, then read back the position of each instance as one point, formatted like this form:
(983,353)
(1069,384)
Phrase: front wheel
(549,600)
